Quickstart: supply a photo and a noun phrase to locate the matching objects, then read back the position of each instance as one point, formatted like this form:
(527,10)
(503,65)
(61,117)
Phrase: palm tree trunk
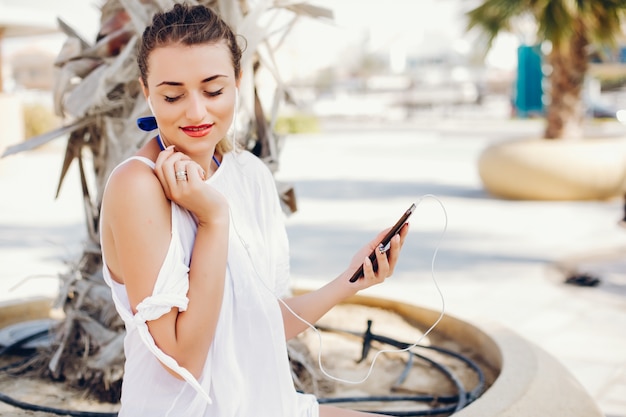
(566,109)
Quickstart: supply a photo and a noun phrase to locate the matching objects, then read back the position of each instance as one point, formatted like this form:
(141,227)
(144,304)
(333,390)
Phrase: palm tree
(98,94)
(570,28)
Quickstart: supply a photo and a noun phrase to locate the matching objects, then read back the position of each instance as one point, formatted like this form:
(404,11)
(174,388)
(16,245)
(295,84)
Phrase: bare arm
(313,305)
(138,218)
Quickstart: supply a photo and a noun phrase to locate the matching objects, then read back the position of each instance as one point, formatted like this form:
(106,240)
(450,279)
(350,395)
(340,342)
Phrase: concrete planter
(16,311)
(540,169)
(529,382)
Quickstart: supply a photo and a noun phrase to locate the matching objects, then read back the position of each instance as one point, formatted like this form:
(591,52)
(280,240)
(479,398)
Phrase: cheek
(228,106)
(225,108)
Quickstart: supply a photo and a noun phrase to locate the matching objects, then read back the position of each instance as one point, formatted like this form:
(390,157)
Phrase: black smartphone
(385,242)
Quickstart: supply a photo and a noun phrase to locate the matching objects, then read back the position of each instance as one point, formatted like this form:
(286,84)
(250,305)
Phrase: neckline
(218,172)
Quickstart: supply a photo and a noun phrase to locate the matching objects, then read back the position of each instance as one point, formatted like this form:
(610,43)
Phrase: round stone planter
(529,382)
(17,311)
(541,169)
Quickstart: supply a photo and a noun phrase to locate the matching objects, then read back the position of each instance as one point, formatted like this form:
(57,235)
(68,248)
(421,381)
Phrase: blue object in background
(528,100)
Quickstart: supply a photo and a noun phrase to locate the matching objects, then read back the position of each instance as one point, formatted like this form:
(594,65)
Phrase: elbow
(195,371)
(185,357)
(173,373)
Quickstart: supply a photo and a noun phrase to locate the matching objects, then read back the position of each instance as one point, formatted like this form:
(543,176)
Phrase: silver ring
(181,175)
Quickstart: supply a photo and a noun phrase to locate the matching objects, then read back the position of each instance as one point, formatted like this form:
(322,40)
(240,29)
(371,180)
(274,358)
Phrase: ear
(144,89)
(238,80)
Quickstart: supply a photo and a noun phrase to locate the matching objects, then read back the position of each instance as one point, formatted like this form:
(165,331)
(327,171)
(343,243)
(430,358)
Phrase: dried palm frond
(98,93)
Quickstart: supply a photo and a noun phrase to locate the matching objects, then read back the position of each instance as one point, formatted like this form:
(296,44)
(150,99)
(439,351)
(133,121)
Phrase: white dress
(247,372)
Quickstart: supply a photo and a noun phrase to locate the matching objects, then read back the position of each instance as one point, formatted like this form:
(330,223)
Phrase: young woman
(194,246)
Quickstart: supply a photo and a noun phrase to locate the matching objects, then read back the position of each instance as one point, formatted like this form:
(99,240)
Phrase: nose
(196,110)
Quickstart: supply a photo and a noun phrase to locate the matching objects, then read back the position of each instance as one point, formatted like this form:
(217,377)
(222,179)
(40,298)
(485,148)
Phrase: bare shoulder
(135,224)
(133,200)
(132,185)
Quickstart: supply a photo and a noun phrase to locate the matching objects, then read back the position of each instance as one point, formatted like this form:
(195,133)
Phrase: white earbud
(234,122)
(150,105)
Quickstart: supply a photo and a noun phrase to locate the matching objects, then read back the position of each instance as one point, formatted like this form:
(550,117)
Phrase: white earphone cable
(234,124)
(318,333)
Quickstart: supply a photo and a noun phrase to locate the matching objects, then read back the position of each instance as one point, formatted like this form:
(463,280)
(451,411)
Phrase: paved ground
(495,262)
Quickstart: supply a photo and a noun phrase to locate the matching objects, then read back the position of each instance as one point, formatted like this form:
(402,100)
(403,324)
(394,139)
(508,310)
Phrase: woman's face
(192,90)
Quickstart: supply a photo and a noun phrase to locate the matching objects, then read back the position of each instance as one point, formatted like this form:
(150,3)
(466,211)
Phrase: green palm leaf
(570,27)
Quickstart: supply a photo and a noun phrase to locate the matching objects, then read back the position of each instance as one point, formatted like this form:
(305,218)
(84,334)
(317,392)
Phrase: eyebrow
(176,83)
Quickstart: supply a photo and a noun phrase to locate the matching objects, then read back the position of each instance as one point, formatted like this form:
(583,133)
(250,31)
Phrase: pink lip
(197,131)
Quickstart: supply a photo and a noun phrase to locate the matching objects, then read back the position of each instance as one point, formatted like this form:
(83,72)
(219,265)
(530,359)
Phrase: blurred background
(387,102)
(399,62)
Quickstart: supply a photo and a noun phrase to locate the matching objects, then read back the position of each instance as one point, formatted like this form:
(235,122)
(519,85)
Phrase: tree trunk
(566,110)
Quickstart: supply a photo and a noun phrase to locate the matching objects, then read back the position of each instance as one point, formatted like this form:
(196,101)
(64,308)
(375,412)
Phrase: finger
(368,268)
(159,169)
(169,156)
(381,260)
(161,158)
(394,252)
(180,172)
(188,174)
(404,231)
(195,173)
(396,246)
(176,160)
(174,168)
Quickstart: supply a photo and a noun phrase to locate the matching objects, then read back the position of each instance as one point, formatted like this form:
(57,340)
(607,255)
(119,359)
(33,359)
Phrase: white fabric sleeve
(170,291)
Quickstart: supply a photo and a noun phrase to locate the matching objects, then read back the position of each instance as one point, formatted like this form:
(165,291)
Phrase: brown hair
(188,25)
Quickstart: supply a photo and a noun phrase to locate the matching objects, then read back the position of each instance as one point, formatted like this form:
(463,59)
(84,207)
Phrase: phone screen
(385,242)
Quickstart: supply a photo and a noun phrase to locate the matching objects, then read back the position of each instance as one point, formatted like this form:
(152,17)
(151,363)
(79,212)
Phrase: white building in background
(16,23)
(18,26)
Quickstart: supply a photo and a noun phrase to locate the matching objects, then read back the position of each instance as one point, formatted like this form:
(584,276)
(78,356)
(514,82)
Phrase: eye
(171,99)
(214,93)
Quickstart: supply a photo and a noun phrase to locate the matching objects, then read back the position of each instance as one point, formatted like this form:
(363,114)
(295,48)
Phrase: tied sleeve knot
(155,306)
(152,308)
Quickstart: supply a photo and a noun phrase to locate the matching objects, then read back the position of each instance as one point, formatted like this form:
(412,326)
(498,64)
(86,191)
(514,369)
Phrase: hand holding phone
(385,242)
